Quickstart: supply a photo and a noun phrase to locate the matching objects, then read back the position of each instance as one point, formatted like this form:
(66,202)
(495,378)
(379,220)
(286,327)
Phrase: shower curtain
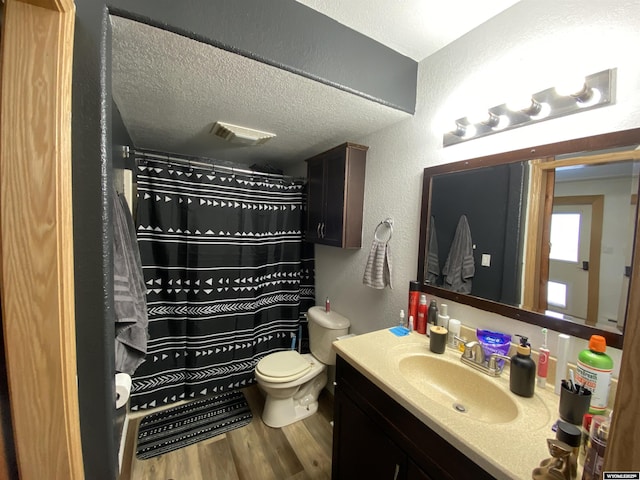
(229,278)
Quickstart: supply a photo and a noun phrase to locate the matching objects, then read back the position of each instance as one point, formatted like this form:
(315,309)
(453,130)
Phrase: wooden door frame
(37,272)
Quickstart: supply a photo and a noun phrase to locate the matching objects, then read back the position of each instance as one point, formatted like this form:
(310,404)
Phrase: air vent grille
(237,134)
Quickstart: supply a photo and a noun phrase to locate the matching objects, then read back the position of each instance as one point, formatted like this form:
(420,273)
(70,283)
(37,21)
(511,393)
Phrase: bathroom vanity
(375,437)
(403,412)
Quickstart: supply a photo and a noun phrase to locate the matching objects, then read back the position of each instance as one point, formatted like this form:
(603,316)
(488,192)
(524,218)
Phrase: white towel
(377,273)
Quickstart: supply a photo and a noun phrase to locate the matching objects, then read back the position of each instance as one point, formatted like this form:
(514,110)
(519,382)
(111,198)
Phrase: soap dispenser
(522,376)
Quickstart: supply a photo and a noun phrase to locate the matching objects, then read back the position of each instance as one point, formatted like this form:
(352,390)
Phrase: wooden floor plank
(301,451)
(216,461)
(316,461)
(250,454)
(319,425)
(281,455)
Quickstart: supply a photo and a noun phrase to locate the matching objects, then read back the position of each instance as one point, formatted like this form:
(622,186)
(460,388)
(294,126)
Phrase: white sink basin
(444,379)
(459,387)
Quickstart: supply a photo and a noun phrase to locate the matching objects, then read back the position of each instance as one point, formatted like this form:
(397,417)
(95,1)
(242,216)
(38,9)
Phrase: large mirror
(544,235)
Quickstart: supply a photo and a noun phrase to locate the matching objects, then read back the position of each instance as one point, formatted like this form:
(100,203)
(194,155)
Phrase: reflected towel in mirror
(433,262)
(459,268)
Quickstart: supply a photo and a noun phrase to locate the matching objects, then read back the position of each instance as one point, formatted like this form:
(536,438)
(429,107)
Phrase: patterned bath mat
(190,423)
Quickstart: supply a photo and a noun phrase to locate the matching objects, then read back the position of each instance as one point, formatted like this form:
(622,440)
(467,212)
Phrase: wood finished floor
(254,452)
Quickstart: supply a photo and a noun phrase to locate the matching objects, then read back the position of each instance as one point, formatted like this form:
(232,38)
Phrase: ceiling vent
(243,135)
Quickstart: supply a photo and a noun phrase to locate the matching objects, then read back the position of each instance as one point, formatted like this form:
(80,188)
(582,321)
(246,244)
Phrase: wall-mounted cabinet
(336,196)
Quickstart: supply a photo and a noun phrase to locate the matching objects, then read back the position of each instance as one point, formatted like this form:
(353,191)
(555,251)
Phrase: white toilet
(291,381)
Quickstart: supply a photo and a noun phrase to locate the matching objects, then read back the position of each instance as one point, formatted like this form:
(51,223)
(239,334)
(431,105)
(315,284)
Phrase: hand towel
(459,268)
(130,305)
(377,273)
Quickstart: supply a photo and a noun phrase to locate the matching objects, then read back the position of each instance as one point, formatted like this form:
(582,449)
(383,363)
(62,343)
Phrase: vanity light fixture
(464,128)
(594,91)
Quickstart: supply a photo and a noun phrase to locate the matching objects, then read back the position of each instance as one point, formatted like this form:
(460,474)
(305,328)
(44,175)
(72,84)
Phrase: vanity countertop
(505,450)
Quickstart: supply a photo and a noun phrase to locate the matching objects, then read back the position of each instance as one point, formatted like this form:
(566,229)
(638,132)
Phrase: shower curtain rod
(203,164)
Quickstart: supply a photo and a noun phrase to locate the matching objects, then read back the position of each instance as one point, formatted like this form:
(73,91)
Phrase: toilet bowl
(292,381)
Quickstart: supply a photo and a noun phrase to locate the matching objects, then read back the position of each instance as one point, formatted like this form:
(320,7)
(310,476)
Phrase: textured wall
(525,47)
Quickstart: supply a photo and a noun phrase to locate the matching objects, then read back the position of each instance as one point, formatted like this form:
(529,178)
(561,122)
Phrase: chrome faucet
(475,357)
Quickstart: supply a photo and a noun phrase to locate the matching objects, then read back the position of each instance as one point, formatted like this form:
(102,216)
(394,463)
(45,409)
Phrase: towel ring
(387,222)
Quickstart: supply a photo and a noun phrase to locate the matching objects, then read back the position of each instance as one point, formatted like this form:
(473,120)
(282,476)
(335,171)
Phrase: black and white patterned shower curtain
(228,278)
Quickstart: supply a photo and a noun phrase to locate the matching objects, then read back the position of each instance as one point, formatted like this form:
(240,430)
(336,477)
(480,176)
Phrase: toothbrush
(572,379)
(543,360)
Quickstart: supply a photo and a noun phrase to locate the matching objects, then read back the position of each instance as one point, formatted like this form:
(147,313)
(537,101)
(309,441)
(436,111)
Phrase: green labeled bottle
(594,372)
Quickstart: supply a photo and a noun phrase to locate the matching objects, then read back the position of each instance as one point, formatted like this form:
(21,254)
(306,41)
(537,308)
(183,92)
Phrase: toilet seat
(281,367)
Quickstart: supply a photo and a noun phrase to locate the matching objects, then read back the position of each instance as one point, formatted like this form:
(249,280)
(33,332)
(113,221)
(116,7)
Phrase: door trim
(37,276)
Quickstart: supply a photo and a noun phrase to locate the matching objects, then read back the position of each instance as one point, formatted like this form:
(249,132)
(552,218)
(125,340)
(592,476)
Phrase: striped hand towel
(377,273)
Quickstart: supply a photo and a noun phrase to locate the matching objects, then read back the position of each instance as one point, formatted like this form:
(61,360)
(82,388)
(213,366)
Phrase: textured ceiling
(171,89)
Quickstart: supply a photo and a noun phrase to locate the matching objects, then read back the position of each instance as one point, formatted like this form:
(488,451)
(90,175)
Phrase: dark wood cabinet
(335,196)
(375,437)
(370,452)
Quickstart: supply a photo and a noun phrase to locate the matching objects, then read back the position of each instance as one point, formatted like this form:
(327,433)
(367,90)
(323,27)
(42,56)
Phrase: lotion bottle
(443,317)
(522,376)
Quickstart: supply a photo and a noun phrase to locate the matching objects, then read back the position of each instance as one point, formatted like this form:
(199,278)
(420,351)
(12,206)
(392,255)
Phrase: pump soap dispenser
(522,378)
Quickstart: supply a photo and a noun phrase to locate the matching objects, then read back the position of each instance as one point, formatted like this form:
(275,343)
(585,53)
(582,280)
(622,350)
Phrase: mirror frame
(581,146)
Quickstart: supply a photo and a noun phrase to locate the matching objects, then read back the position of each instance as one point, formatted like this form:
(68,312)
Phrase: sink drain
(459,407)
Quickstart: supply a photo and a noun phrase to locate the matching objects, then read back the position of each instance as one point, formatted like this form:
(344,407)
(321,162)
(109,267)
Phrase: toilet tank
(324,328)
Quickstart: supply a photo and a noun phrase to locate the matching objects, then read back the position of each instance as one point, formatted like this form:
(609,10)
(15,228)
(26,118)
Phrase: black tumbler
(574,404)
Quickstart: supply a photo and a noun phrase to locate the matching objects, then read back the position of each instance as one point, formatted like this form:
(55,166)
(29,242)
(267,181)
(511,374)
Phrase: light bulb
(499,122)
(469,131)
(543,110)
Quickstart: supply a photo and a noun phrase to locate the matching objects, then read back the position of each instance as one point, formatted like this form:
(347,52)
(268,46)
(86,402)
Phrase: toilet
(293,381)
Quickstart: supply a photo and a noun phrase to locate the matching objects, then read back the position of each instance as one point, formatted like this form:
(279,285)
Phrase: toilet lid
(287,363)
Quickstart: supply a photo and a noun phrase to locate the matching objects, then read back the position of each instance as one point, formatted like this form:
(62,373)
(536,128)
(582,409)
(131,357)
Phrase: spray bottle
(421,321)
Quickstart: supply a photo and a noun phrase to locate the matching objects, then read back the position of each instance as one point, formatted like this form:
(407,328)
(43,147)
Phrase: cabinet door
(414,472)
(315,198)
(334,192)
(362,450)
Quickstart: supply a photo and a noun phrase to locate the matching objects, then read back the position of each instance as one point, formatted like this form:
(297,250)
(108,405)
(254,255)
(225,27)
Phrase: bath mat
(190,423)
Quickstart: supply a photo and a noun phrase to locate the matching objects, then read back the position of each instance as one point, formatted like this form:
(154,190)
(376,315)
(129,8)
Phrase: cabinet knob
(322,230)
(318,230)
